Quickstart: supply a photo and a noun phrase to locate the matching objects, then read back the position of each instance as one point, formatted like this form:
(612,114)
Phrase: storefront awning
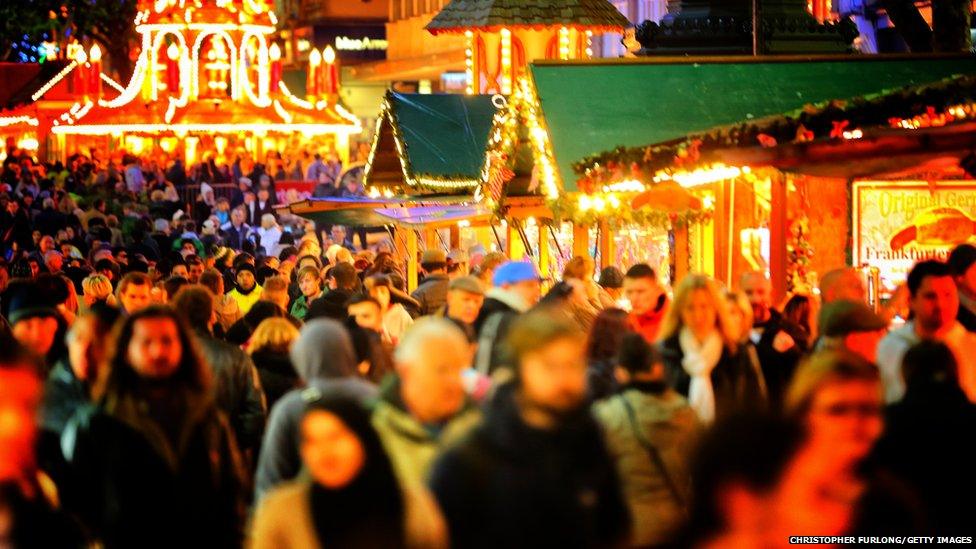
(594,107)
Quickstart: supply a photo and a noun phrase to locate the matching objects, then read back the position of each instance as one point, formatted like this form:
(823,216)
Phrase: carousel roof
(490,15)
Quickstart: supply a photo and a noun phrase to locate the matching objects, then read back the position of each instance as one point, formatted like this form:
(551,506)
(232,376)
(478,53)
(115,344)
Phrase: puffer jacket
(656,487)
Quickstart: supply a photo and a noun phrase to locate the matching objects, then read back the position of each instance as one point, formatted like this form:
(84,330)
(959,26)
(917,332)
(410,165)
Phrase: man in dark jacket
(536,472)
(962,262)
(343,282)
(432,292)
(779,343)
(237,386)
(154,464)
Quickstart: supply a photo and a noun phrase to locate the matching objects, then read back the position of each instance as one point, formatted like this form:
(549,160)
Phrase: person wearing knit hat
(247,292)
(851,325)
(34,320)
(962,262)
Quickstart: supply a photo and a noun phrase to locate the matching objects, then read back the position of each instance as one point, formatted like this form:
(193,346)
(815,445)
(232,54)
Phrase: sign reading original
(896,223)
(344,43)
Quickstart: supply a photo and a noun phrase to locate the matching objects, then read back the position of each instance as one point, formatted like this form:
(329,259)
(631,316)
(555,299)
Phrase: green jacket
(667,422)
(300,307)
(412,446)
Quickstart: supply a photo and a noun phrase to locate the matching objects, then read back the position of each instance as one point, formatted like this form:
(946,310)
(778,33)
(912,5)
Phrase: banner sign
(898,223)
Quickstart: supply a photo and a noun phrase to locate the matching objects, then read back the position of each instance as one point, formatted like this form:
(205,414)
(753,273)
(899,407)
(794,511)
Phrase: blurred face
(367,315)
(135,297)
(432,388)
(237,217)
(47,244)
(180,270)
(936,303)
(195,271)
(155,350)
(554,377)
(338,234)
(20,396)
(967,282)
(85,351)
(245,280)
(699,313)
(845,420)
(760,294)
(37,333)
(865,344)
(310,286)
(54,263)
(530,290)
(642,293)
(333,454)
(381,294)
(464,306)
(735,317)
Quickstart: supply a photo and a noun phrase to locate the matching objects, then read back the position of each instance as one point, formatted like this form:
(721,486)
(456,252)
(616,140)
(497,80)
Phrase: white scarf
(698,362)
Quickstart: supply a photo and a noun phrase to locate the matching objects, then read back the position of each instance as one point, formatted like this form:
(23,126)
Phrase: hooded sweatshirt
(324,359)
(892,350)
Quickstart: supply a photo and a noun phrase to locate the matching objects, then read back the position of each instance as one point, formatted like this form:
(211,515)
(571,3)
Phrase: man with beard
(155,464)
(536,472)
(247,292)
(779,343)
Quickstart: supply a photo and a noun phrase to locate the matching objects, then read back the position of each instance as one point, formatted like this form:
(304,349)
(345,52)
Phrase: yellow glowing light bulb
(274,52)
(315,58)
(173,52)
(329,55)
(96,54)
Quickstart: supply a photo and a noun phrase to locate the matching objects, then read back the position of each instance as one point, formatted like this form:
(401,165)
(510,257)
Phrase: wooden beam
(411,238)
(514,248)
(544,265)
(581,240)
(777,236)
(681,267)
(608,251)
(455,236)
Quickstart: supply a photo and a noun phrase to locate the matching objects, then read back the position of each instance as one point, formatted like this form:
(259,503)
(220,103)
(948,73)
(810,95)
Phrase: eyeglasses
(842,409)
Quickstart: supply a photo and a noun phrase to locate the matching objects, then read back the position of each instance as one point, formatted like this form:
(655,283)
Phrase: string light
(469,61)
(563,43)
(506,61)
(14,120)
(105,129)
(703,176)
(53,82)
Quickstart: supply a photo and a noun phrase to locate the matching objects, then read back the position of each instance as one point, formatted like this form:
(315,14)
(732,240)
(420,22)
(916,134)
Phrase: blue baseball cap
(513,272)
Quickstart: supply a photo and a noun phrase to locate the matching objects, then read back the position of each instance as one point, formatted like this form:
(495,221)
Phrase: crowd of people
(185,379)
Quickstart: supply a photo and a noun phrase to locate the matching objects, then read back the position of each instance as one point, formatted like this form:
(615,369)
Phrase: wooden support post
(681,267)
(411,245)
(608,251)
(430,239)
(455,237)
(544,265)
(720,226)
(581,241)
(485,237)
(777,236)
(515,249)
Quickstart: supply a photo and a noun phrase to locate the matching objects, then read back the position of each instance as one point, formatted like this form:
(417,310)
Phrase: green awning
(442,137)
(595,107)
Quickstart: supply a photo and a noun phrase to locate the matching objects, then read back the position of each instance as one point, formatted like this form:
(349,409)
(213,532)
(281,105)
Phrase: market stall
(567,113)
(872,167)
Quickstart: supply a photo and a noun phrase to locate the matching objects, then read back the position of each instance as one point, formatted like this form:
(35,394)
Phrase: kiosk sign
(897,223)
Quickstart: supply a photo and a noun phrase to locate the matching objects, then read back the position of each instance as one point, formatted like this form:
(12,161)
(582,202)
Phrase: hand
(783,342)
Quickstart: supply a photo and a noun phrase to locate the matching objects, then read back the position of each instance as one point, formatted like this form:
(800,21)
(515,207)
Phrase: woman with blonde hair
(269,348)
(97,288)
(703,355)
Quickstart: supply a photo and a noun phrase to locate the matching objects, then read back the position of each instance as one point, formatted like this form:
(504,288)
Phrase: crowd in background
(217,374)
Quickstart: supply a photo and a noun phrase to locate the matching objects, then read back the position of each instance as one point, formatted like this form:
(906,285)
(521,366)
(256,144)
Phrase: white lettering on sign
(344,43)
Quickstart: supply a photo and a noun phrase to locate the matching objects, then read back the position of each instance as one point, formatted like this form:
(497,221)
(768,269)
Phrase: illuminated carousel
(208,77)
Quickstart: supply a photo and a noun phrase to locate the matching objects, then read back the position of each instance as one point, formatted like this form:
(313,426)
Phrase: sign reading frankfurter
(896,223)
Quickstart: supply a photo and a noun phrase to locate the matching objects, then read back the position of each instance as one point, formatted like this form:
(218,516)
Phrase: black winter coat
(277,374)
(237,389)
(331,305)
(511,485)
(737,380)
(129,495)
(778,367)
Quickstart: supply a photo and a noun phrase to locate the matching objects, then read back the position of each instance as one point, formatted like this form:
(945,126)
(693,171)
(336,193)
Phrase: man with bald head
(843,284)
(423,405)
(779,343)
